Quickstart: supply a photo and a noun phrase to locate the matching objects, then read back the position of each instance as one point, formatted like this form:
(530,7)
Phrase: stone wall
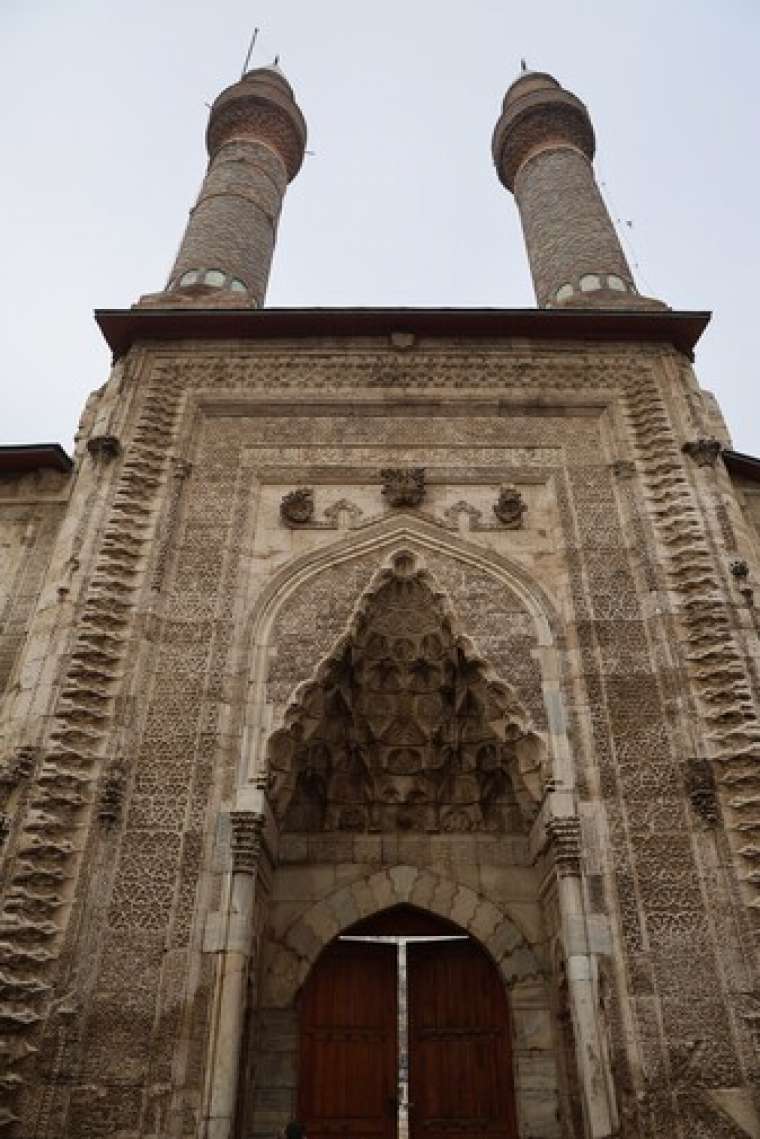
(32,507)
(196,612)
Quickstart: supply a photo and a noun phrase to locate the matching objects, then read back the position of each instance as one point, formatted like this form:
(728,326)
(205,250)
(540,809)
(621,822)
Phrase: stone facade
(163,905)
(349,610)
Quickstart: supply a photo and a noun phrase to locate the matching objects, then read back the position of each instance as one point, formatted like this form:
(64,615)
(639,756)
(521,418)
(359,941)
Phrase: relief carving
(699,779)
(404,728)
(564,835)
(245,840)
(105,447)
(18,767)
(623,469)
(510,507)
(403,486)
(343,513)
(112,795)
(704,451)
(297,506)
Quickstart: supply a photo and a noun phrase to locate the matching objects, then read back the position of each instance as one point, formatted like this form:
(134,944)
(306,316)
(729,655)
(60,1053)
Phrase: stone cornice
(123,327)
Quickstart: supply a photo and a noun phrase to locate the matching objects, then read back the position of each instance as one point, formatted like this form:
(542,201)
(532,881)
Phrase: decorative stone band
(246,840)
(564,846)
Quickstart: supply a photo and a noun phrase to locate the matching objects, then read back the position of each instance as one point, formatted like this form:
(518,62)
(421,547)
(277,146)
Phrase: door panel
(460,1070)
(348,1058)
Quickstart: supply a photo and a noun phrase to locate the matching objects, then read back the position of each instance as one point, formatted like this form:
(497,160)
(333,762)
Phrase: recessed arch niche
(408,744)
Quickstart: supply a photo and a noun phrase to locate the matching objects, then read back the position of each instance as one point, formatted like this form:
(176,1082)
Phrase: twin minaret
(543,147)
(256,139)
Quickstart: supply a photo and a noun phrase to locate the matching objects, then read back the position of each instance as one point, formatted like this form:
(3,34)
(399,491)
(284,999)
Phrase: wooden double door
(459,1056)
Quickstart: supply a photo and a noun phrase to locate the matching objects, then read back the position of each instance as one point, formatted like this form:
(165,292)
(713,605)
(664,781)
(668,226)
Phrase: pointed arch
(298,947)
(381,539)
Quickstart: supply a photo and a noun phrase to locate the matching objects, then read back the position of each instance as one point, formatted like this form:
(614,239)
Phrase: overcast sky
(103,116)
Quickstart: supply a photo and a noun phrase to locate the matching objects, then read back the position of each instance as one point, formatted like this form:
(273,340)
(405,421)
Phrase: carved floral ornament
(403,486)
(297,507)
(405,728)
(510,507)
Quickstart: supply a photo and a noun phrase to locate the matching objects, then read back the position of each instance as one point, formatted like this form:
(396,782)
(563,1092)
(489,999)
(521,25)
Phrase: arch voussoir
(313,930)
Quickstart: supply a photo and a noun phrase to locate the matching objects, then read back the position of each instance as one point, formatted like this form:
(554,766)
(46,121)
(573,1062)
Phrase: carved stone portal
(403,486)
(404,727)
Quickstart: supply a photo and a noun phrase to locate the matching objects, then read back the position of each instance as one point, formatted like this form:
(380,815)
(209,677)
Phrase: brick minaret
(256,139)
(543,146)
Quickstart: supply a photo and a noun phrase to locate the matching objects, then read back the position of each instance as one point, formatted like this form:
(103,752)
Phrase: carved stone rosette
(245,840)
(510,507)
(403,486)
(297,507)
(564,835)
(704,451)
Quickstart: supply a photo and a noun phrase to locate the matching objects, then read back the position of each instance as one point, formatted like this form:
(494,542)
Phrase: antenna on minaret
(523,65)
(249,53)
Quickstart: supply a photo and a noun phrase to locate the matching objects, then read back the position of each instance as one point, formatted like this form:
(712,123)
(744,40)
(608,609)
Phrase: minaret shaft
(543,147)
(569,236)
(256,139)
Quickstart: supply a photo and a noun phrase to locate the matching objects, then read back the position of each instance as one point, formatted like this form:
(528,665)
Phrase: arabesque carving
(403,727)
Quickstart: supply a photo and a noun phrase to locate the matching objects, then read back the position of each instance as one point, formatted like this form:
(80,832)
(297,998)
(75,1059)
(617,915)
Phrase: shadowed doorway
(424,1052)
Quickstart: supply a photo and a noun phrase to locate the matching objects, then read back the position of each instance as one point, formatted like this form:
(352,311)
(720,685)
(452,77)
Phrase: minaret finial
(523,64)
(249,53)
